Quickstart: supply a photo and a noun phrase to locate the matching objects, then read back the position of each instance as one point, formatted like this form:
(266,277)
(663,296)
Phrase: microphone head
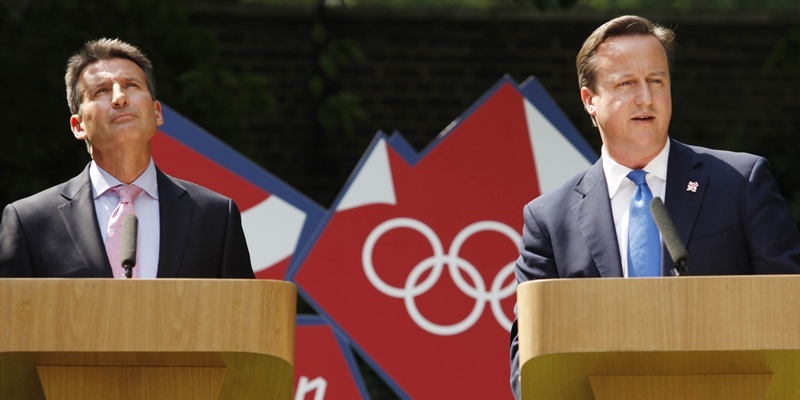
(668,232)
(128,246)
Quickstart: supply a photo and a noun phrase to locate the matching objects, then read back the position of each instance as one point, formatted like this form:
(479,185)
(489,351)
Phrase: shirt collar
(102,180)
(616,173)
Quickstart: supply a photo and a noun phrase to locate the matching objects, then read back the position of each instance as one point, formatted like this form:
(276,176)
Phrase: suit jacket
(736,222)
(55,233)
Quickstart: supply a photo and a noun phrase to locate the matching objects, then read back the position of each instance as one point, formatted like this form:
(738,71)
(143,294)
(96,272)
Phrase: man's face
(632,102)
(117,111)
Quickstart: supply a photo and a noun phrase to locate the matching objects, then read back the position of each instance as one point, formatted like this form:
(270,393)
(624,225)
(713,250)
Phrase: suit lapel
(80,218)
(175,212)
(593,214)
(682,204)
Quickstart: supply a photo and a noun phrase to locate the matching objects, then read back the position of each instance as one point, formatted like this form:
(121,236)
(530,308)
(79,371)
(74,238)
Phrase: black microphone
(128,246)
(674,244)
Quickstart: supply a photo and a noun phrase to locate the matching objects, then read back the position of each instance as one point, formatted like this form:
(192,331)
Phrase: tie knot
(638,176)
(127,193)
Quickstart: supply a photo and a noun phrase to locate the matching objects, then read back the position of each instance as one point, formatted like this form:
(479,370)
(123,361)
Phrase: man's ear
(587,98)
(76,125)
(159,115)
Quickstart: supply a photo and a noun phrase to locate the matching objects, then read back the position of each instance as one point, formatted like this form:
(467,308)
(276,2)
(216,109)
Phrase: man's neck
(634,159)
(125,166)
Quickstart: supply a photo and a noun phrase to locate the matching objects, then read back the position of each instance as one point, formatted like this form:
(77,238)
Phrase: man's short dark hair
(103,49)
(627,25)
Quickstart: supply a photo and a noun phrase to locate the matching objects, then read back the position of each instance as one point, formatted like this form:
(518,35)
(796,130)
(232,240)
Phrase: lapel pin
(692,187)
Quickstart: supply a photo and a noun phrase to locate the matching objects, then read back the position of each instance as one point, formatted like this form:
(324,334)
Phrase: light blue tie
(644,243)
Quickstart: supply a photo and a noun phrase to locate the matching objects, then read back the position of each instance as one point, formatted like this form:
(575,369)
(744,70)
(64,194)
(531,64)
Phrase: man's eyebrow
(106,81)
(625,75)
(619,75)
(99,84)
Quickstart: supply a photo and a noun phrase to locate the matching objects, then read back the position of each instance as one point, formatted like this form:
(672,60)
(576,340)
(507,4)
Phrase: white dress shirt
(145,206)
(620,191)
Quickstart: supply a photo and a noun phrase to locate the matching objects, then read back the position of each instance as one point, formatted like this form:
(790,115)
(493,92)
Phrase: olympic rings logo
(436,263)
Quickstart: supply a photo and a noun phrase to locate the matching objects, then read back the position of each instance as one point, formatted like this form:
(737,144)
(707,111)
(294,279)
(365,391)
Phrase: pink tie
(127,194)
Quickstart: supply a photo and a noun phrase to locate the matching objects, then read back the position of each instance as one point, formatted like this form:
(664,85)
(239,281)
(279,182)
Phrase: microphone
(674,244)
(128,246)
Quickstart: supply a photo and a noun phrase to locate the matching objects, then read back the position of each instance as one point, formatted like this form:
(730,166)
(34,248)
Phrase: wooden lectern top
(246,326)
(574,329)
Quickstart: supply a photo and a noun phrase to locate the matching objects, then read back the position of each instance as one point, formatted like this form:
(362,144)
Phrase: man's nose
(645,95)
(118,98)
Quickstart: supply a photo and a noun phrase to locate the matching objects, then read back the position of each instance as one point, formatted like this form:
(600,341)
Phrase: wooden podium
(146,339)
(731,337)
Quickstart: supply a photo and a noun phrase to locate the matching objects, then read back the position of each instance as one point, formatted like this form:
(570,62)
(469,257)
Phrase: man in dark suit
(726,206)
(185,231)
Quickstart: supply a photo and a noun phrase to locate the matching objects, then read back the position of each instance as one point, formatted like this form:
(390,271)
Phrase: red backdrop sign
(415,263)
(413,266)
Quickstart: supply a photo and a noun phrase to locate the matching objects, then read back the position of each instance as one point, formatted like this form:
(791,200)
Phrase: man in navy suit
(726,206)
(185,231)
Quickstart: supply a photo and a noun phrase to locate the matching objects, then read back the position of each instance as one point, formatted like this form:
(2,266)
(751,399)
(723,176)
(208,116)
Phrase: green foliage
(339,54)
(221,99)
(340,111)
(784,156)
(787,52)
(691,5)
(336,110)
(547,5)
